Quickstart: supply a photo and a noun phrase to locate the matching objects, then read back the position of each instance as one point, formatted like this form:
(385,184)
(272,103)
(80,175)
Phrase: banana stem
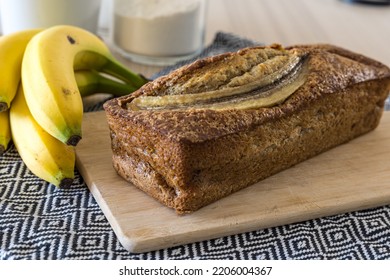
(117,70)
(115,88)
(90,82)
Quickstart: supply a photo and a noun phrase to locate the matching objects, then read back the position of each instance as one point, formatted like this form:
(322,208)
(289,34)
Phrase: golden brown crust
(189,158)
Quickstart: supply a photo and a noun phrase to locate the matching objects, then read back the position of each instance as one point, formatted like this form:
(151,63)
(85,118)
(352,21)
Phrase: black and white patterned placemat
(39,221)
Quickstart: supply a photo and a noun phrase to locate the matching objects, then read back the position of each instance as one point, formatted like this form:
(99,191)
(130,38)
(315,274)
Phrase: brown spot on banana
(67,91)
(71,39)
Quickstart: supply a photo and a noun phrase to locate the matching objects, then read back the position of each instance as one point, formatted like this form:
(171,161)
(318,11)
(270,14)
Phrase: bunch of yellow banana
(11,55)
(45,74)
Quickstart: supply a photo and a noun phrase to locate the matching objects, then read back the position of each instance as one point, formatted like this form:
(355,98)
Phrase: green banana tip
(138,81)
(73,140)
(3,106)
(145,80)
(65,183)
(2,149)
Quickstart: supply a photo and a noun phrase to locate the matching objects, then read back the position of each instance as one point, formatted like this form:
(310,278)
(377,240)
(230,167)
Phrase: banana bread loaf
(222,123)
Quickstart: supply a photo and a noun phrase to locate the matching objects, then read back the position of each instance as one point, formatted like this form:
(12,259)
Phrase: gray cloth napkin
(223,42)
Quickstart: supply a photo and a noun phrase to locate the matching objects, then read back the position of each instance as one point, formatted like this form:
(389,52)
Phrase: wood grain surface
(350,177)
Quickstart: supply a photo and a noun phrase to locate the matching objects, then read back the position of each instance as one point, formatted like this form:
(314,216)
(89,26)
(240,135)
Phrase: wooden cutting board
(350,177)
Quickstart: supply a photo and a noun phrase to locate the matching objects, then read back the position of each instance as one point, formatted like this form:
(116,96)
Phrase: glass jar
(159,32)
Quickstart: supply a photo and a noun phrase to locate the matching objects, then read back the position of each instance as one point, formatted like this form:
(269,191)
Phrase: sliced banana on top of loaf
(263,77)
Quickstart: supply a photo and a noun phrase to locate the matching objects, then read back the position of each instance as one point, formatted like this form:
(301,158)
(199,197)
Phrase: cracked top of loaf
(182,105)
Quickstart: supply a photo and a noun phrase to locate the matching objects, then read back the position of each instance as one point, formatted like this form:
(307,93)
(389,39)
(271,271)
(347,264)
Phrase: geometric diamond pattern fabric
(39,221)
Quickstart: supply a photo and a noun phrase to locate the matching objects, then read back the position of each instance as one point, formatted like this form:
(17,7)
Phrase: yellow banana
(44,155)
(12,48)
(49,82)
(5,131)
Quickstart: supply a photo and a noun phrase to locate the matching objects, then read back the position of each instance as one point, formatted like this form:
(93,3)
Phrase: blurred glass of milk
(25,14)
(159,32)
(105,19)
